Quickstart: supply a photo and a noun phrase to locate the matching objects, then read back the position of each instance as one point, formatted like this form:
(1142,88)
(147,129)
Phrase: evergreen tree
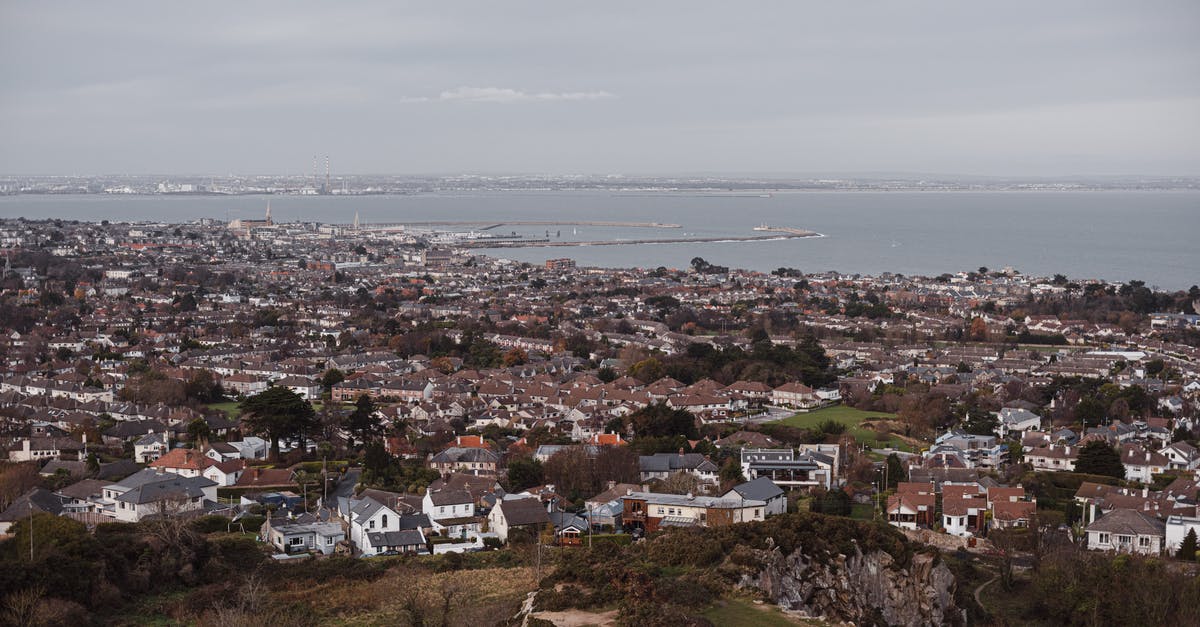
(895,471)
(1098,458)
(279,413)
(1187,550)
(361,423)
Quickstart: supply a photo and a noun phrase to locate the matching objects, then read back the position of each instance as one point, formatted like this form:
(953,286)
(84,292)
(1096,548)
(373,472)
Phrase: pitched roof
(518,512)
(407,537)
(760,489)
(1129,522)
(42,501)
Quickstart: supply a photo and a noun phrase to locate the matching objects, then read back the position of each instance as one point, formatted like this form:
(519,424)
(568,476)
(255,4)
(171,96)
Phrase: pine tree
(1098,458)
(1187,550)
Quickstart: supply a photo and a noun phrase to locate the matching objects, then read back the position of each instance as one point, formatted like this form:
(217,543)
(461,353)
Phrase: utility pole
(30,530)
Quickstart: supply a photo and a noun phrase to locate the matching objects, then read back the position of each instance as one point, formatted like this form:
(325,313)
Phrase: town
(341,390)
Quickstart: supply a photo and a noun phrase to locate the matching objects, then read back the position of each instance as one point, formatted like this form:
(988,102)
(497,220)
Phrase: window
(384,523)
(1102,538)
(372,525)
(1144,542)
(757,513)
(329,540)
(296,541)
(660,511)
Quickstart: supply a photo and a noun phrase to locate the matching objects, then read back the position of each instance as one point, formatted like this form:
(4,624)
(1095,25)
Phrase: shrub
(212,524)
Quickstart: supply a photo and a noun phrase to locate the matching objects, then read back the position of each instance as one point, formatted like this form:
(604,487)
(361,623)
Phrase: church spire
(269,223)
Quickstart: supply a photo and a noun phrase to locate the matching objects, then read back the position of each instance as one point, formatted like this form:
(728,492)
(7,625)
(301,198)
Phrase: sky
(790,88)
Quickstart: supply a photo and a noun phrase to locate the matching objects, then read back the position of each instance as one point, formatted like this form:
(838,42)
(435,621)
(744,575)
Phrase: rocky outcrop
(859,589)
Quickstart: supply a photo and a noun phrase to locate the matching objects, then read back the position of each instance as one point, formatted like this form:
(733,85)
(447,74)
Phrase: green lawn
(850,417)
(230,408)
(742,613)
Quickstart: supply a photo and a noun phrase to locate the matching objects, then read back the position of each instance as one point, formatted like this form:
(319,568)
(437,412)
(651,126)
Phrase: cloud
(505,95)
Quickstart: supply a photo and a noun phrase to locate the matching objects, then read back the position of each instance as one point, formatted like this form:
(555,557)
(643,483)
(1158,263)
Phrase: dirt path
(980,589)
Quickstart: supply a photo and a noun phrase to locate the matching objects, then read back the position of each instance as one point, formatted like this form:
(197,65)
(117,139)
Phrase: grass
(743,613)
(862,511)
(230,408)
(232,411)
(852,418)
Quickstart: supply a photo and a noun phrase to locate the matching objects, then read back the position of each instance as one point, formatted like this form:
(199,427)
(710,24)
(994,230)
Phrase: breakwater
(779,235)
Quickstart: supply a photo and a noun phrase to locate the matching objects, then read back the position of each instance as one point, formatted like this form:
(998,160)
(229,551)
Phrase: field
(852,418)
(742,613)
(231,408)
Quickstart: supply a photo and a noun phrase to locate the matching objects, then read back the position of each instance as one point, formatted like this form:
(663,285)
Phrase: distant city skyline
(779,89)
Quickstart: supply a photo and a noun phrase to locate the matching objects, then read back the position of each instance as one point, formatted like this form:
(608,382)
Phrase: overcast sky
(995,88)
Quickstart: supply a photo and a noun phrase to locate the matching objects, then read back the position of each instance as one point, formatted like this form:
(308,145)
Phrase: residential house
(913,505)
(964,510)
(292,536)
(796,395)
(452,512)
(1177,528)
(37,500)
(663,465)
(650,511)
(367,516)
(150,447)
(1181,456)
(1127,531)
(517,513)
(154,492)
(1053,457)
(761,489)
(790,469)
(1014,421)
(467,460)
(1142,464)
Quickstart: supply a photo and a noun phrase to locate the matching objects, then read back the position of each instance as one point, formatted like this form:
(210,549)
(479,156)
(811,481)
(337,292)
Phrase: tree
(647,370)
(377,462)
(198,430)
(332,377)
(524,472)
(682,482)
(832,502)
(1098,458)
(278,413)
(514,357)
(660,420)
(895,471)
(1187,548)
(978,330)
(981,423)
(361,423)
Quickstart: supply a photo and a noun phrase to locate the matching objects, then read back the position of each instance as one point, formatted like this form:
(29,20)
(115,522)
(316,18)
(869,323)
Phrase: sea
(1152,236)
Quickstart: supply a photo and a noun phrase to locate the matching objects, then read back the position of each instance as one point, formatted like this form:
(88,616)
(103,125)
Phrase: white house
(1177,528)
(761,489)
(150,447)
(153,492)
(1141,464)
(513,513)
(1127,531)
(452,512)
(1181,456)
(297,537)
(368,516)
(1015,421)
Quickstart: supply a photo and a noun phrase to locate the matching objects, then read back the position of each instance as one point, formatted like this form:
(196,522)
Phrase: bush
(212,524)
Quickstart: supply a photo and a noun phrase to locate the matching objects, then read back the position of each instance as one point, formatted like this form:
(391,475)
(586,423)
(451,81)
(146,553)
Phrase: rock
(860,589)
